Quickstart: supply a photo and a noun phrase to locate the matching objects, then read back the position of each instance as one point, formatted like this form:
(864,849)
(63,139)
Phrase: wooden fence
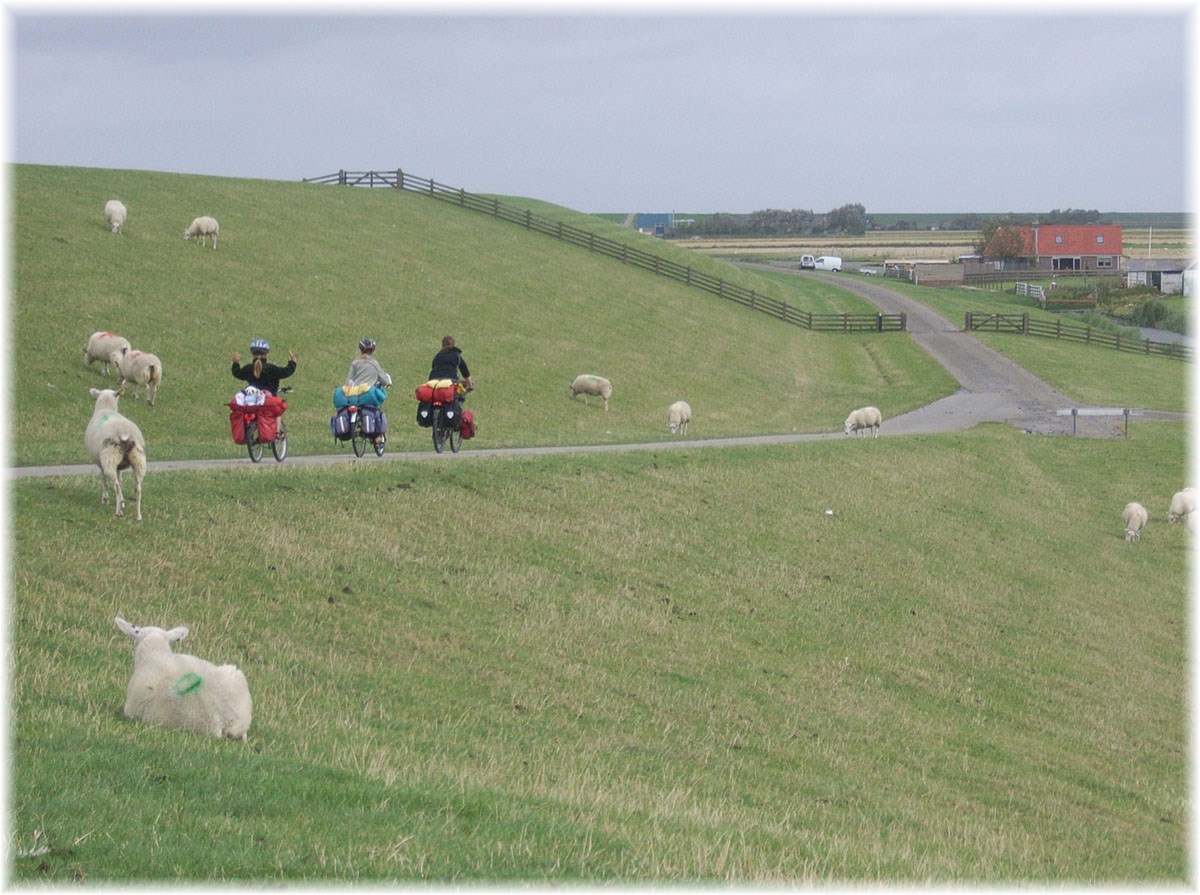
(626,254)
(1070,332)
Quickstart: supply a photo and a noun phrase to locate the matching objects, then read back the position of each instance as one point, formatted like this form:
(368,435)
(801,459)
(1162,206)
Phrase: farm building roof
(1070,239)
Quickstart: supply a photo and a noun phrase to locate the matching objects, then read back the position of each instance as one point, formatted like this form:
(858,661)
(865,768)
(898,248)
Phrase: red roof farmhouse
(1068,246)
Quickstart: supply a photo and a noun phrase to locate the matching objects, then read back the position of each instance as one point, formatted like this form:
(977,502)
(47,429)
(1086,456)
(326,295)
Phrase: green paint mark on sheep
(187,684)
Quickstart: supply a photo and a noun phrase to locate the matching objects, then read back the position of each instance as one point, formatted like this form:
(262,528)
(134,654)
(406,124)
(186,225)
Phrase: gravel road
(993,389)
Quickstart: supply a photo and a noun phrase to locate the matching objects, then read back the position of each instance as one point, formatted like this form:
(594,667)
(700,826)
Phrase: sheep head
(140,633)
(106,398)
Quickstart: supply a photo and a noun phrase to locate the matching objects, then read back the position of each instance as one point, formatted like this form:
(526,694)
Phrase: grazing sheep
(202,227)
(101,345)
(1183,503)
(115,214)
(864,418)
(181,691)
(679,415)
(596,386)
(140,368)
(115,443)
(1135,518)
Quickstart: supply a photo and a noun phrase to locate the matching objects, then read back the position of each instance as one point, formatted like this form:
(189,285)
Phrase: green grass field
(930,659)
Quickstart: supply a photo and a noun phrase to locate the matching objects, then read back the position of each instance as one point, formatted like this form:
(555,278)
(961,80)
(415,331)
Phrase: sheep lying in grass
(100,347)
(115,443)
(864,418)
(181,691)
(1135,518)
(202,227)
(1183,503)
(679,415)
(140,368)
(115,214)
(597,386)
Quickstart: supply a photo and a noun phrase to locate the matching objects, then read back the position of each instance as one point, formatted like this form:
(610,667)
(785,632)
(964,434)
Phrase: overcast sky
(901,110)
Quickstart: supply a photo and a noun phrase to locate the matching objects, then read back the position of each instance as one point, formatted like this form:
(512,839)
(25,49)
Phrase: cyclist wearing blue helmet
(260,372)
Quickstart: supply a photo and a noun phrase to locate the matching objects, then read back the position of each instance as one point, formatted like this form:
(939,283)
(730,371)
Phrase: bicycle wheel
(279,445)
(439,432)
(357,439)
(379,446)
(253,446)
(455,437)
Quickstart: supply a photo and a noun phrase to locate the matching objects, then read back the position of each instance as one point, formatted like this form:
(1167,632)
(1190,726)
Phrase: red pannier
(467,425)
(440,391)
(266,414)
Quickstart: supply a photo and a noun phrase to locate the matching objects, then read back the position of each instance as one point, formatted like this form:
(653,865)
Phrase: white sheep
(140,368)
(1135,518)
(864,418)
(597,386)
(101,345)
(202,227)
(181,691)
(115,443)
(115,214)
(679,415)
(1183,503)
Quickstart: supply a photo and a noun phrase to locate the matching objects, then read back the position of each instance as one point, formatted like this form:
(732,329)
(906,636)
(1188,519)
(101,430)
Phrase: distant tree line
(853,220)
(849,220)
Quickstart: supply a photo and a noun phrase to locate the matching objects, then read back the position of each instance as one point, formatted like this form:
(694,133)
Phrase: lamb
(115,214)
(115,443)
(864,418)
(1135,518)
(679,415)
(181,691)
(140,368)
(101,345)
(597,386)
(1183,503)
(202,227)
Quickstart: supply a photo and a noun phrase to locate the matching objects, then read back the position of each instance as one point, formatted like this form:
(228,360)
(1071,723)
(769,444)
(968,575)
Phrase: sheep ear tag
(187,684)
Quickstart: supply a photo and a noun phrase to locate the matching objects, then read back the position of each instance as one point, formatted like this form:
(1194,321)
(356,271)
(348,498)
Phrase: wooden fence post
(399,179)
(903,322)
(1025,324)
(967,322)
(689,276)
(341,177)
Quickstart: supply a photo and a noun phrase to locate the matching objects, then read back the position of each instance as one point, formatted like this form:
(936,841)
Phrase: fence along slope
(622,252)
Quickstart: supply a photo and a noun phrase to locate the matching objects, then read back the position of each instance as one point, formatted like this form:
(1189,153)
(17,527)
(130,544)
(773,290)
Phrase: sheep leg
(137,461)
(108,469)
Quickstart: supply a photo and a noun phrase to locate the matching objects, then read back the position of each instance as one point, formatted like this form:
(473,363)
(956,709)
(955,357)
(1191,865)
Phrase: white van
(807,262)
(828,262)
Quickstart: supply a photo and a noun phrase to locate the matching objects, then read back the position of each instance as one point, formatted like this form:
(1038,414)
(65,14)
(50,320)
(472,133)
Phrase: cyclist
(260,372)
(448,362)
(366,369)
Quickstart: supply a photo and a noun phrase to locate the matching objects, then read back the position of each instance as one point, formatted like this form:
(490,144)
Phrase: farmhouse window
(1099,239)
(1058,240)
(1065,264)
(1104,261)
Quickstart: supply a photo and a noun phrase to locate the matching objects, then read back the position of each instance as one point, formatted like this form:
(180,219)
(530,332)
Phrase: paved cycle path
(992,389)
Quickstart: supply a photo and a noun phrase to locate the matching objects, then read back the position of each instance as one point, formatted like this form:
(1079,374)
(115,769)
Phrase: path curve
(993,389)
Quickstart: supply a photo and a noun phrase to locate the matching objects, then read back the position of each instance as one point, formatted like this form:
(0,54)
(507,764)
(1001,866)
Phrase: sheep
(101,345)
(679,415)
(140,368)
(864,418)
(202,227)
(585,384)
(115,443)
(1183,503)
(115,214)
(1135,518)
(182,691)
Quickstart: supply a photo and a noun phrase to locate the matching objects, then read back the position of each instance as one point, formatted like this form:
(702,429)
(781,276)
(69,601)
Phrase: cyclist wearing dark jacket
(259,372)
(448,362)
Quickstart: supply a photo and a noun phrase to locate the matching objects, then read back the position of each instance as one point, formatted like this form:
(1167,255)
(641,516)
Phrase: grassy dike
(661,666)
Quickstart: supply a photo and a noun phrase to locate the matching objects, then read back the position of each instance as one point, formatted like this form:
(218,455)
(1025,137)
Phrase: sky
(654,109)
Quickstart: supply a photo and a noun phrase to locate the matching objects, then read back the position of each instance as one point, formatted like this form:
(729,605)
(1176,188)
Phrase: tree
(849,219)
(1008,243)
